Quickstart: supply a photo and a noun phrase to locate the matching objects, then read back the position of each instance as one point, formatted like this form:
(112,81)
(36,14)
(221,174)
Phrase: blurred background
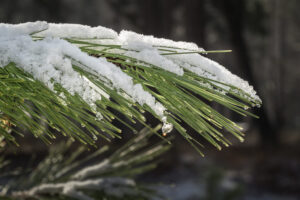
(265,38)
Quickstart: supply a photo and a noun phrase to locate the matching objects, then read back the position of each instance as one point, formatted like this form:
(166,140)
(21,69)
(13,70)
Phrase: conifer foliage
(78,79)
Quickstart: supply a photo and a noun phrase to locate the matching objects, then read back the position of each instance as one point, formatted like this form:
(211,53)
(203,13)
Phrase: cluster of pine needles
(27,104)
(115,168)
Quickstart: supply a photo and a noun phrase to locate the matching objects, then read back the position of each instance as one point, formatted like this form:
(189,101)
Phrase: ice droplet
(167,127)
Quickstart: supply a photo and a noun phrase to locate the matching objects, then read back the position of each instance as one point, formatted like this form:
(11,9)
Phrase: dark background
(265,38)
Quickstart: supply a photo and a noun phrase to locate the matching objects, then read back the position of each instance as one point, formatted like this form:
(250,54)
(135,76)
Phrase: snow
(208,68)
(128,37)
(78,31)
(153,57)
(46,60)
(10,30)
(50,61)
(146,48)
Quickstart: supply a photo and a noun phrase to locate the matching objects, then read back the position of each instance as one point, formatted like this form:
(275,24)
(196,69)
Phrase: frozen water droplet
(166,128)
(82,125)
(246,107)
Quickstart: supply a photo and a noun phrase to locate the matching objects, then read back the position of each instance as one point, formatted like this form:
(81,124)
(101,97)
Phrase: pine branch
(96,176)
(119,77)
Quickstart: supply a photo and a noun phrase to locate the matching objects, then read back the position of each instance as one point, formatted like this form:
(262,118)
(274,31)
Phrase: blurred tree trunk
(195,21)
(234,13)
(51,8)
(157,17)
(9,10)
(279,57)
